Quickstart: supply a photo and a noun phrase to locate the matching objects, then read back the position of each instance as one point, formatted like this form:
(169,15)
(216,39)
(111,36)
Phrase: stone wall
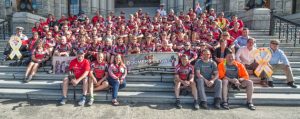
(257,19)
(25,20)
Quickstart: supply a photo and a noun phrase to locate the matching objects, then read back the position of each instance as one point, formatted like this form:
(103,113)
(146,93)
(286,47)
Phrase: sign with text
(61,64)
(151,62)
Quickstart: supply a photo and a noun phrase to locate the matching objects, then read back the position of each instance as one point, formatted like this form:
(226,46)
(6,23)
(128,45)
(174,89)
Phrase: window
(137,3)
(74,7)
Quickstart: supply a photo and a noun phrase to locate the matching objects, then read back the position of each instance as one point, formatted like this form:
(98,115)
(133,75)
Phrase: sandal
(225,105)
(115,103)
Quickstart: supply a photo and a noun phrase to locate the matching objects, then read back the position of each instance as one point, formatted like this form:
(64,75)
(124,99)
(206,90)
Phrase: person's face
(36,36)
(250,43)
(245,33)
(225,36)
(184,61)
(120,41)
(19,32)
(100,58)
(230,58)
(274,45)
(64,40)
(223,44)
(80,57)
(49,35)
(118,59)
(206,55)
(202,46)
(187,46)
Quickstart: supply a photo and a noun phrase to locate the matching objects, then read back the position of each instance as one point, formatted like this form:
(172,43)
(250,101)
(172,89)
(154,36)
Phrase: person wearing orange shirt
(233,73)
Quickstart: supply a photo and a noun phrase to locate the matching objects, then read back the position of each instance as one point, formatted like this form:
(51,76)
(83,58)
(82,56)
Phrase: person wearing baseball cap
(78,71)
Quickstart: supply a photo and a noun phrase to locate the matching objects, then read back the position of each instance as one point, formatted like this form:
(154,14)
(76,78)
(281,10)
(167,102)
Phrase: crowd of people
(214,51)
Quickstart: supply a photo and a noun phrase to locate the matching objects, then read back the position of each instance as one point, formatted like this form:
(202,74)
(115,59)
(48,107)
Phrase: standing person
(39,55)
(79,69)
(279,56)
(207,76)
(184,77)
(161,10)
(116,78)
(98,76)
(231,72)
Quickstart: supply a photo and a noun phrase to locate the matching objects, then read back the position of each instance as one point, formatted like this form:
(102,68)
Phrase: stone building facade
(62,7)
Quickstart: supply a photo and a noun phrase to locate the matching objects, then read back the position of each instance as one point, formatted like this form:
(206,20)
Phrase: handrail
(4,25)
(286,29)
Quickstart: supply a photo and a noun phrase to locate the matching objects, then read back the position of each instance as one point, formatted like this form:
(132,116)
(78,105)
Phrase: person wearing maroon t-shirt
(184,78)
(234,20)
(166,47)
(39,55)
(235,32)
(148,46)
(186,50)
(107,49)
(120,48)
(63,48)
(117,72)
(134,46)
(98,76)
(79,69)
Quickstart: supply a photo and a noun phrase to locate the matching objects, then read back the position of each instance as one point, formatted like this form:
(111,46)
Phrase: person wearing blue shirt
(242,40)
(280,61)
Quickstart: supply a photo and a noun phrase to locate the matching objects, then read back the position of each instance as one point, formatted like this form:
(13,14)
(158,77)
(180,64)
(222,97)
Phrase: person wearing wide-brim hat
(161,10)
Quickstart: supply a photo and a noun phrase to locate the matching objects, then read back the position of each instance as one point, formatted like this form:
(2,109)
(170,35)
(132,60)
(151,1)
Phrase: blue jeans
(115,86)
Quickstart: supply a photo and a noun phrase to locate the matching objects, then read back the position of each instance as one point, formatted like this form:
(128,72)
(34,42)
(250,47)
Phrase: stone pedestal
(25,20)
(257,19)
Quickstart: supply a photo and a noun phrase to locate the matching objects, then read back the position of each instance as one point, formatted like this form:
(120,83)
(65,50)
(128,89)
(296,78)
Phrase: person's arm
(111,73)
(283,58)
(125,73)
(238,55)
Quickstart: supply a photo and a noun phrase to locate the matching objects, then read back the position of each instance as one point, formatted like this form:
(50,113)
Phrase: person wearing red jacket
(234,73)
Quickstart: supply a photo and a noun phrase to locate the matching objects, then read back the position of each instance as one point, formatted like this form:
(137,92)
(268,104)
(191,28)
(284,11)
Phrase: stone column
(110,6)
(64,7)
(57,8)
(95,6)
(171,4)
(102,7)
(179,6)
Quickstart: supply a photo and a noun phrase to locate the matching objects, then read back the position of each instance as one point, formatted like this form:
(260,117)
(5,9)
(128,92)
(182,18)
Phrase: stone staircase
(153,88)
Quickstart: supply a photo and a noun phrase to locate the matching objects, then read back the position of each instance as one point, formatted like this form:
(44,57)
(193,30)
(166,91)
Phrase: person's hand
(74,82)
(237,82)
(121,81)
(210,83)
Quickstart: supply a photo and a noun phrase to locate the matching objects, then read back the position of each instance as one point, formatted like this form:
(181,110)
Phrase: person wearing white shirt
(162,11)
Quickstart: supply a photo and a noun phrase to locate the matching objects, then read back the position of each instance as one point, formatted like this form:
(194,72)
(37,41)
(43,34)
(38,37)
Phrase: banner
(15,43)
(262,57)
(155,62)
(61,64)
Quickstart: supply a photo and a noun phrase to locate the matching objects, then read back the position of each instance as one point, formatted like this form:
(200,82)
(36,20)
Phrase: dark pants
(115,86)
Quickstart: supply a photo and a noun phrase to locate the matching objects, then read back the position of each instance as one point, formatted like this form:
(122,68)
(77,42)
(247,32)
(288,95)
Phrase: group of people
(217,49)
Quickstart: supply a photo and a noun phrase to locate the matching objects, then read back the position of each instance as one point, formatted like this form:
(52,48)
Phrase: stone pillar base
(25,20)
(257,18)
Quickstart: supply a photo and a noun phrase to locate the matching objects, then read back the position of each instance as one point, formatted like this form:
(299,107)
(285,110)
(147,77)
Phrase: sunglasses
(275,43)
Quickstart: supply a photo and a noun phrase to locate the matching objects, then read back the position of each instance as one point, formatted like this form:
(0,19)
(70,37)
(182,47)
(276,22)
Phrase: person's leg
(288,72)
(29,68)
(91,87)
(201,90)
(218,88)
(195,95)
(248,84)
(65,86)
(225,90)
(84,86)
(177,88)
(104,85)
(123,85)
(34,69)
(115,84)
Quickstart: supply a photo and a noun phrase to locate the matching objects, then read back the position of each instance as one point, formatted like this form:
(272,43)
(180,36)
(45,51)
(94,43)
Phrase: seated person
(79,69)
(279,56)
(184,77)
(98,76)
(234,73)
(207,76)
(63,48)
(116,78)
(220,52)
(39,55)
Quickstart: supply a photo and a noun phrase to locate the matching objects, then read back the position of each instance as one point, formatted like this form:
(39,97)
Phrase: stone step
(135,86)
(149,97)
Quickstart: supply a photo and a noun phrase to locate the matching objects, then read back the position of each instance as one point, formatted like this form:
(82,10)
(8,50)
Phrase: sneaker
(263,82)
(203,104)
(29,79)
(217,103)
(25,79)
(196,105)
(50,71)
(178,104)
(225,105)
(63,100)
(251,106)
(82,101)
(291,84)
(91,101)
(270,83)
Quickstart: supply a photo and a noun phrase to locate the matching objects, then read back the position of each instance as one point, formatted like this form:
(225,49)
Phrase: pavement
(20,109)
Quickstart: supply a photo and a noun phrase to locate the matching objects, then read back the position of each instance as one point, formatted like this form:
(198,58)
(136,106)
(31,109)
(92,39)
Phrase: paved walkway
(14,109)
